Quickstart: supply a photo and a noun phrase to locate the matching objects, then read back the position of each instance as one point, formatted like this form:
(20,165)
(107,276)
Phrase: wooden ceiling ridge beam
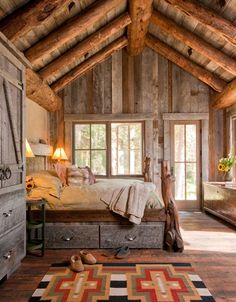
(89,63)
(84,47)
(226,98)
(70,29)
(29,16)
(208,17)
(193,41)
(191,67)
(140,13)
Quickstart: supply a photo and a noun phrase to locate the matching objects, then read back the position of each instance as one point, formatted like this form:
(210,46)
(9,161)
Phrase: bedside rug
(123,282)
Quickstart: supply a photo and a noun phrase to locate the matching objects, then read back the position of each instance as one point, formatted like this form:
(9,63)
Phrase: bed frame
(104,229)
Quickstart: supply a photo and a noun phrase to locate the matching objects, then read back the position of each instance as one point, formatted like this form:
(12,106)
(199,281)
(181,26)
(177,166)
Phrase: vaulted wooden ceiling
(63,39)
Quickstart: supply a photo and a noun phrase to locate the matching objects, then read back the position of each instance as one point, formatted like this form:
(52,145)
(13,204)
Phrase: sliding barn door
(186,163)
(11,122)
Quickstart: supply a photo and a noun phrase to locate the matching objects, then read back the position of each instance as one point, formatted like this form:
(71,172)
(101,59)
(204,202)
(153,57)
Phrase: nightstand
(35,228)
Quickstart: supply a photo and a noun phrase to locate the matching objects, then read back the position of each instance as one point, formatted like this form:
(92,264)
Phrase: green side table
(35,228)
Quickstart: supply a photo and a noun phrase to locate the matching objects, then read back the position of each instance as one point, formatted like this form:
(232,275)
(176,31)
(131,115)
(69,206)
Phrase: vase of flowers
(225,165)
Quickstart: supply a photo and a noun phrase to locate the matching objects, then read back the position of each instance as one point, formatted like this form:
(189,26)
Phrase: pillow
(78,176)
(49,182)
(61,171)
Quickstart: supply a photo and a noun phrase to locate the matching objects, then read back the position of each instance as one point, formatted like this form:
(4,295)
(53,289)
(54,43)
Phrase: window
(90,147)
(109,148)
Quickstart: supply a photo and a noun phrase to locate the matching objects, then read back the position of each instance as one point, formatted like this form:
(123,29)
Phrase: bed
(90,223)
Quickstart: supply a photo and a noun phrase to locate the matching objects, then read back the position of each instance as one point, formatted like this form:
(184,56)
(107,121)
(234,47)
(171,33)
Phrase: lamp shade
(28,150)
(59,154)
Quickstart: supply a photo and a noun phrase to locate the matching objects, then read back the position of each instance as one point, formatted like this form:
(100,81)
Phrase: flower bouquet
(226,163)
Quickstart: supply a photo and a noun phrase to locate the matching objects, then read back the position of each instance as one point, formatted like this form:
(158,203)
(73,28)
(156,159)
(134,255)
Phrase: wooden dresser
(12,183)
(220,200)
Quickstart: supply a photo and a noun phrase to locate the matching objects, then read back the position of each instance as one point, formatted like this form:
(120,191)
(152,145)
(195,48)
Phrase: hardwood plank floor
(210,246)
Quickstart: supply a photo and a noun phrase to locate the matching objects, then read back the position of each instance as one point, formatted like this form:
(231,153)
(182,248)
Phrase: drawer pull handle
(67,238)
(7,214)
(8,255)
(130,238)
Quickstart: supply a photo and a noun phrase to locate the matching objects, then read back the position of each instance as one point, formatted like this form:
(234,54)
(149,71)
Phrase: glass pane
(191,182)
(123,162)
(191,143)
(98,162)
(135,162)
(123,136)
(82,136)
(179,142)
(98,136)
(179,181)
(135,136)
(82,158)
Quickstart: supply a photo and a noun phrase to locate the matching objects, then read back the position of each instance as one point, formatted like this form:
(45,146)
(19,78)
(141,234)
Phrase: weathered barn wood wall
(147,83)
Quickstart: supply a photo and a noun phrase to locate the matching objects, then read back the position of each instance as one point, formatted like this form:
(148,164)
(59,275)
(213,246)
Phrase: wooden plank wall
(147,83)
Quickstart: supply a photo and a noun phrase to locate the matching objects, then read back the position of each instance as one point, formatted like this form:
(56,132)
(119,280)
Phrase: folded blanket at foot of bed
(129,201)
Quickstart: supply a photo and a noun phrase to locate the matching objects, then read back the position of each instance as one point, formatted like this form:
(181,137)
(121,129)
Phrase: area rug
(123,282)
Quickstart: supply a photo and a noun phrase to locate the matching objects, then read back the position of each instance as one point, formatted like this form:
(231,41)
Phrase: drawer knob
(8,255)
(130,238)
(7,214)
(66,238)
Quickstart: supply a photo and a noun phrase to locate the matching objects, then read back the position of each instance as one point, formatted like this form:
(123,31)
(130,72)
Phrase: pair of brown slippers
(77,261)
(119,253)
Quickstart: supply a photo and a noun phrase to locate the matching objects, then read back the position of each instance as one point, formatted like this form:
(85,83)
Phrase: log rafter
(69,30)
(40,92)
(226,98)
(140,13)
(172,55)
(222,27)
(193,41)
(89,64)
(31,15)
(85,46)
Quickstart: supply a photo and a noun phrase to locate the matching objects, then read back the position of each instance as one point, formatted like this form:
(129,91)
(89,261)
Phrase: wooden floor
(210,247)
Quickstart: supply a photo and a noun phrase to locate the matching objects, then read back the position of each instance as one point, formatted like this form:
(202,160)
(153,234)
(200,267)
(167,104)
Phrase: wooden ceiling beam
(29,16)
(140,13)
(69,30)
(222,27)
(226,98)
(193,41)
(89,64)
(174,56)
(40,92)
(84,47)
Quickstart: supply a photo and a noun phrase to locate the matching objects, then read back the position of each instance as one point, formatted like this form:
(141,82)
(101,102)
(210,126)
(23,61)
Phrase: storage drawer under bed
(134,236)
(71,235)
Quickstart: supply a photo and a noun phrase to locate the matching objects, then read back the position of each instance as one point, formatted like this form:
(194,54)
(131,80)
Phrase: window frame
(109,146)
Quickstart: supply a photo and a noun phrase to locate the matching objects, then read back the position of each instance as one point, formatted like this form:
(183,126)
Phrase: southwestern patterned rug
(123,282)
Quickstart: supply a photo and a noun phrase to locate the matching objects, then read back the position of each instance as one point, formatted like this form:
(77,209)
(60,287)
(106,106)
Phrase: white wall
(37,125)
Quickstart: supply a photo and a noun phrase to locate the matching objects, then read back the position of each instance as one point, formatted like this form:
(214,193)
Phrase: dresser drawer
(12,250)
(12,210)
(60,235)
(134,236)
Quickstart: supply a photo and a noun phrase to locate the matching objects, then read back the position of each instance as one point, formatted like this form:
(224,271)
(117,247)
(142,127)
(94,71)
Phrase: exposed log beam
(70,29)
(40,92)
(140,12)
(189,66)
(222,27)
(226,98)
(193,41)
(26,18)
(85,46)
(89,64)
